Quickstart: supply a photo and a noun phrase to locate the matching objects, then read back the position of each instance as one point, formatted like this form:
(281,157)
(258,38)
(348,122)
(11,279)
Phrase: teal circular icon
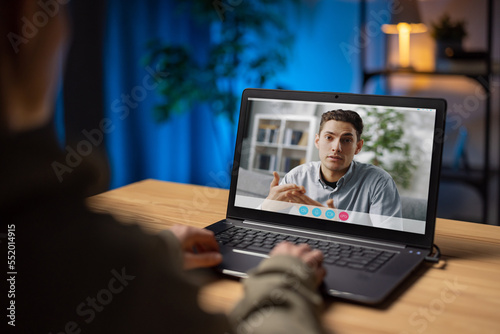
(330,214)
(316,212)
(303,210)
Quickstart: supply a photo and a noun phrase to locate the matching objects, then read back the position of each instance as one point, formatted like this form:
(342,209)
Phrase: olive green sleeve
(280,297)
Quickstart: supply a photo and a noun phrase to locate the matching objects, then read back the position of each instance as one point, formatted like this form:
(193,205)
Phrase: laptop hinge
(322,234)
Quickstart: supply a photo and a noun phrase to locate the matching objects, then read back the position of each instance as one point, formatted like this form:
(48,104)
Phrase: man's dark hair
(341,115)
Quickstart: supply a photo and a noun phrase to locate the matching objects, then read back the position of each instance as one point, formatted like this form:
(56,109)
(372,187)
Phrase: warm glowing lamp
(405,21)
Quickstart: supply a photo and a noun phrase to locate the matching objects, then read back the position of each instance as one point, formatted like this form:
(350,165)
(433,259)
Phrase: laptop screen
(373,167)
(370,165)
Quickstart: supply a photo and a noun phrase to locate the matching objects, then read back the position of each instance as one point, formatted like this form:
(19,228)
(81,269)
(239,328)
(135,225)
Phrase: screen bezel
(380,234)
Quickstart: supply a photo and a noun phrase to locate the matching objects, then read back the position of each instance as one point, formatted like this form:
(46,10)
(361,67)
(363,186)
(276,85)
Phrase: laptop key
(372,268)
(371,252)
(330,260)
(334,253)
(355,265)
(358,260)
(242,245)
(386,255)
(261,249)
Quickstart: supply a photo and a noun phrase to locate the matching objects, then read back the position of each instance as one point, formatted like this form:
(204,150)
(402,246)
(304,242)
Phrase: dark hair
(341,115)
(10,11)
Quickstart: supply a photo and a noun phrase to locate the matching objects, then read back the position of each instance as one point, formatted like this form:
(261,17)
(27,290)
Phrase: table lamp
(405,21)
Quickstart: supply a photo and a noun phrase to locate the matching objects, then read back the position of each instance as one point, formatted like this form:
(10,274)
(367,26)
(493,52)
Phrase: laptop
(368,252)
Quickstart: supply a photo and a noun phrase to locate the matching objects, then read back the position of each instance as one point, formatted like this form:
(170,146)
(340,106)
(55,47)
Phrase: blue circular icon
(316,212)
(303,210)
(330,214)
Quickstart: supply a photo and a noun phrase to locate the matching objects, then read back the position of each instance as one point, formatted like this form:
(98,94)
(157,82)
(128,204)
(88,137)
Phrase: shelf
(281,142)
(270,145)
(482,78)
(295,147)
(475,65)
(285,147)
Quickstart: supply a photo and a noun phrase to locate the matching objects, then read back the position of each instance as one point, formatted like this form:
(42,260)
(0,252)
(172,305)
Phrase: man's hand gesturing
(288,193)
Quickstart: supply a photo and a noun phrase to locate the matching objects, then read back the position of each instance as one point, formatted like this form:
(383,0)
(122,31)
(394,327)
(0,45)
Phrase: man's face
(337,144)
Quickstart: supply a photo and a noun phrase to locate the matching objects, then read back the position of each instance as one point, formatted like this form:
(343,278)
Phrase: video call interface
(280,137)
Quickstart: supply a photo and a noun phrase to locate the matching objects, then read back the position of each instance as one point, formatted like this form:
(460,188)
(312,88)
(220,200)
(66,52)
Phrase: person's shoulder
(125,240)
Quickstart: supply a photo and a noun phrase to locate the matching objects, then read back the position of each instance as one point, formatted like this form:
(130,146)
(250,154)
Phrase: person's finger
(285,187)
(284,192)
(299,190)
(320,275)
(276,180)
(309,201)
(304,199)
(190,237)
(201,260)
(313,258)
(294,197)
(288,248)
(281,248)
(203,241)
(302,249)
(329,203)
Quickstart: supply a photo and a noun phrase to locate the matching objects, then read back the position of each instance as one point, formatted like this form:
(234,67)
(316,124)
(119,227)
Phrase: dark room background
(111,89)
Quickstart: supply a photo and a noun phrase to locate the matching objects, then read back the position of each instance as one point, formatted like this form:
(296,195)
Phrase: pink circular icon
(343,216)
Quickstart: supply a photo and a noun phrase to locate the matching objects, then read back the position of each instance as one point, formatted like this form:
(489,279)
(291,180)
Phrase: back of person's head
(32,50)
(342,115)
(7,25)
(10,23)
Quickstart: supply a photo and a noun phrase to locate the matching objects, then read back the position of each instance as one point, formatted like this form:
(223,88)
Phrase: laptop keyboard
(335,253)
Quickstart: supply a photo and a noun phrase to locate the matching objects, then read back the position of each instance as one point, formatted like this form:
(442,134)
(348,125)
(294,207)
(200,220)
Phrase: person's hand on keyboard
(199,246)
(312,257)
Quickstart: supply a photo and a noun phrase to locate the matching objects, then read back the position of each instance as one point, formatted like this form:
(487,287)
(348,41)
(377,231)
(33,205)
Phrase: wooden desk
(464,297)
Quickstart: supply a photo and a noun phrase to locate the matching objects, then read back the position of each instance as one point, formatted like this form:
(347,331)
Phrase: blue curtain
(197,147)
(194,147)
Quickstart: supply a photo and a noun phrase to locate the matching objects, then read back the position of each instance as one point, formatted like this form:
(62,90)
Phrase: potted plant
(449,35)
(384,140)
(251,45)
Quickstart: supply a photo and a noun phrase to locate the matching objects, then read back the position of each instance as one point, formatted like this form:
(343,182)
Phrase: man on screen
(337,181)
